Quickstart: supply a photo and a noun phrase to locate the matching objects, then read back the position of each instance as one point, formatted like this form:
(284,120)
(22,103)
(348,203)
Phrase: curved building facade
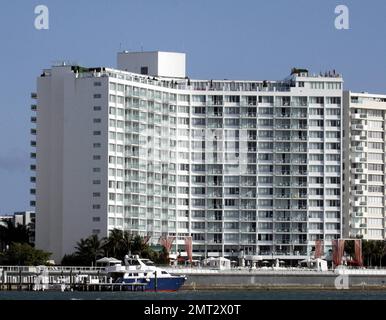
(247,168)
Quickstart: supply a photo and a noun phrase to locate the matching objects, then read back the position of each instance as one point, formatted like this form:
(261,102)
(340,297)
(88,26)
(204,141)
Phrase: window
(97,83)
(230,202)
(96,194)
(97,108)
(378,125)
(332,157)
(200,98)
(333,203)
(333,112)
(183,97)
(316,123)
(375,212)
(375,156)
(376,201)
(97,181)
(96,157)
(96,145)
(96,206)
(112,110)
(333,169)
(184,121)
(96,133)
(232,99)
(144,70)
(375,167)
(183,167)
(96,219)
(376,189)
(316,180)
(333,123)
(97,96)
(375,145)
(317,85)
(375,178)
(316,157)
(333,100)
(333,146)
(96,169)
(333,134)
(375,135)
(333,192)
(316,100)
(316,203)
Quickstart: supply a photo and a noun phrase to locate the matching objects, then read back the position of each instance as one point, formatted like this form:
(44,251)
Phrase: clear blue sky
(222,38)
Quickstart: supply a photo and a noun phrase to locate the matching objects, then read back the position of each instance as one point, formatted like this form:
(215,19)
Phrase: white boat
(144,271)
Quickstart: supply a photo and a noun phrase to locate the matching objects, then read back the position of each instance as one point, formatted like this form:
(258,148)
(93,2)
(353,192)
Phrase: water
(200,295)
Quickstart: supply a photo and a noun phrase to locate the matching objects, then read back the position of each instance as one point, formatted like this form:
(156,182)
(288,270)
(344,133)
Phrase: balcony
(359,127)
(297,230)
(358,192)
(358,116)
(283,196)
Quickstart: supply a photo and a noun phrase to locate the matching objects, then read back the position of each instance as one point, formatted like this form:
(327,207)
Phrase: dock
(61,278)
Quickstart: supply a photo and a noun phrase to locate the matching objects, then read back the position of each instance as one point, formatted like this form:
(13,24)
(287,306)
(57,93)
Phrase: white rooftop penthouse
(153,63)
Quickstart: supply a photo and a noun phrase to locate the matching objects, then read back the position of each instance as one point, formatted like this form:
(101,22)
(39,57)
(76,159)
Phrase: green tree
(379,251)
(89,250)
(96,247)
(138,246)
(73,260)
(118,244)
(11,233)
(22,254)
(115,243)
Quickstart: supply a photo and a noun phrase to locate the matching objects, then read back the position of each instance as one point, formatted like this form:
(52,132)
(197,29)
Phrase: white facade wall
(64,174)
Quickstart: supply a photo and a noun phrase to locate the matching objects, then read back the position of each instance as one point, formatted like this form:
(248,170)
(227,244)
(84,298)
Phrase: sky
(223,39)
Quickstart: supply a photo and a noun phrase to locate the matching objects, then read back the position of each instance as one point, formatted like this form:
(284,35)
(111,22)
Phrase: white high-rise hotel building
(241,166)
(365,175)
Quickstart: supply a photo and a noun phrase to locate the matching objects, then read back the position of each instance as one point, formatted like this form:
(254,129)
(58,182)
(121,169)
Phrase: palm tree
(379,250)
(113,242)
(89,250)
(11,233)
(95,247)
(127,243)
(82,247)
(367,251)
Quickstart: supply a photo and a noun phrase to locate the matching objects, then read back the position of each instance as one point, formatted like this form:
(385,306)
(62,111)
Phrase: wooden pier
(62,278)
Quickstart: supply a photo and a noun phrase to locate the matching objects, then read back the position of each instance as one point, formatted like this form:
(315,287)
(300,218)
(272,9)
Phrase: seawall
(282,281)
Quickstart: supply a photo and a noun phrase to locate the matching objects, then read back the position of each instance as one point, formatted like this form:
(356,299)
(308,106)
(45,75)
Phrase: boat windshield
(148,262)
